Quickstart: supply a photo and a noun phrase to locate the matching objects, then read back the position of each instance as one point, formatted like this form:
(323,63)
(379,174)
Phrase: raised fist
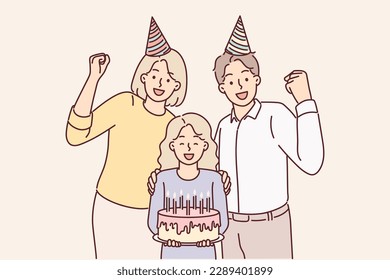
(297,84)
(98,64)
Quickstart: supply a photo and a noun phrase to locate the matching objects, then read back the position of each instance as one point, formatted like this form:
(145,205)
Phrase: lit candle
(201,203)
(174,204)
(181,199)
(167,201)
(208,202)
(194,200)
(188,204)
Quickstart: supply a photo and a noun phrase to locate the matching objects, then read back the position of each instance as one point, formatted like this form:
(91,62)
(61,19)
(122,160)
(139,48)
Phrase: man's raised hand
(297,84)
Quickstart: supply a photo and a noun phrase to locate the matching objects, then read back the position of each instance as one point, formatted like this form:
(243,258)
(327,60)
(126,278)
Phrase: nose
(189,147)
(239,84)
(159,82)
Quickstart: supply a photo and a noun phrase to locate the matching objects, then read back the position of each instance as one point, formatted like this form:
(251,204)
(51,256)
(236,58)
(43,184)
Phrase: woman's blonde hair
(175,64)
(167,158)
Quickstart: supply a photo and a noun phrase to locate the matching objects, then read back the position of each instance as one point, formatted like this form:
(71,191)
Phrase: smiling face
(188,146)
(239,83)
(159,83)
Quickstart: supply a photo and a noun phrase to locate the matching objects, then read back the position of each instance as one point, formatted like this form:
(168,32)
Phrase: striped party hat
(157,44)
(238,43)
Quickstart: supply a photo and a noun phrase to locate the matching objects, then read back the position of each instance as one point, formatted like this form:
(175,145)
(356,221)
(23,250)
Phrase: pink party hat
(157,44)
(238,43)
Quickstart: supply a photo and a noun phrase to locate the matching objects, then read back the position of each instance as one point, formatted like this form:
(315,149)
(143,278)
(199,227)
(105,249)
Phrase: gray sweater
(208,181)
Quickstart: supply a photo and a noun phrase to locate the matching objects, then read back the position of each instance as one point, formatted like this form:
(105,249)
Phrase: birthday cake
(188,227)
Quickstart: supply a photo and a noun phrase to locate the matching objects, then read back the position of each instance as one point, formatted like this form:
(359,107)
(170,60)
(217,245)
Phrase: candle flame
(208,194)
(194,192)
(188,196)
(181,192)
(201,195)
(167,194)
(174,195)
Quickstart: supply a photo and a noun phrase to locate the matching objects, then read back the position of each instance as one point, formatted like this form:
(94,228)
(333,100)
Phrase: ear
(177,85)
(143,78)
(172,146)
(205,146)
(221,88)
(258,80)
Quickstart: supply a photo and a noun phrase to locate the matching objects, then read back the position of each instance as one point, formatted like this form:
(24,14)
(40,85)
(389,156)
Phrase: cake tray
(158,239)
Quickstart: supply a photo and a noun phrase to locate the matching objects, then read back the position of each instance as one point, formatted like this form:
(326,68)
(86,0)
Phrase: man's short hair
(249,60)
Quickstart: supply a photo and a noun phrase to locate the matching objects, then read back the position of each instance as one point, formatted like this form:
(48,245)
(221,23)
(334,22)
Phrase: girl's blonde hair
(175,64)
(167,158)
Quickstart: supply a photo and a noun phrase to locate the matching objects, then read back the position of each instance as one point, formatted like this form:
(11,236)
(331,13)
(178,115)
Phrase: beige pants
(258,236)
(121,232)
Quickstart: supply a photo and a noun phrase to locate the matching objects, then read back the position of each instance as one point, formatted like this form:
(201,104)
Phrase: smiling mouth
(158,92)
(242,95)
(189,156)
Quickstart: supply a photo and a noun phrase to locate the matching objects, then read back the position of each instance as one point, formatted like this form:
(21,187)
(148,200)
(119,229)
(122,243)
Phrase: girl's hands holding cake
(204,243)
(172,243)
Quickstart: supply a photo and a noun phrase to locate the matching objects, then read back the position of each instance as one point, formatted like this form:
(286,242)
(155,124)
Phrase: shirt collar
(253,112)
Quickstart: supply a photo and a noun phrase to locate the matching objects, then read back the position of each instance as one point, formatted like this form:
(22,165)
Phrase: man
(255,142)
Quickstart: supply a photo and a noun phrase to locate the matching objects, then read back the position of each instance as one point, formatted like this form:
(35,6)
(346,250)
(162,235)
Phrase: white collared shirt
(255,152)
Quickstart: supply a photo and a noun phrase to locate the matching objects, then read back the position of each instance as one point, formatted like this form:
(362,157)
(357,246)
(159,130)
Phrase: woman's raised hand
(97,65)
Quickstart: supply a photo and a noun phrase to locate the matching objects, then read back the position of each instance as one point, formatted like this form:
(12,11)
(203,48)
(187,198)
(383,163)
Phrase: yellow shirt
(134,136)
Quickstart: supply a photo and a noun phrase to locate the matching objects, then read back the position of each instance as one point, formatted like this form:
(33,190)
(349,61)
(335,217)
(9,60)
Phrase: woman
(121,202)
(188,161)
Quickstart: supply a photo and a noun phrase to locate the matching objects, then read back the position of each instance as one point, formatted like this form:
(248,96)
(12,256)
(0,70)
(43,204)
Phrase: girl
(136,123)
(188,160)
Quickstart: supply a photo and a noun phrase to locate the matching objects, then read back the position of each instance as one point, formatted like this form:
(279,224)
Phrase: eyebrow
(196,136)
(181,136)
(229,74)
(155,70)
(244,71)
(170,73)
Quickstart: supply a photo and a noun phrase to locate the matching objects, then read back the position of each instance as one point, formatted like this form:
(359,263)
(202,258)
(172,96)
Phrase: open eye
(154,77)
(168,80)
(246,79)
(231,83)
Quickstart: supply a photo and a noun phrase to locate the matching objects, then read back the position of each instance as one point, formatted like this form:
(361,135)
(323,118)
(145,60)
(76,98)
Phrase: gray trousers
(259,236)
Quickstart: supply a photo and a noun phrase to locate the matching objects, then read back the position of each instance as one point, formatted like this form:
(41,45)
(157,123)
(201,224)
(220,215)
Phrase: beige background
(47,186)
